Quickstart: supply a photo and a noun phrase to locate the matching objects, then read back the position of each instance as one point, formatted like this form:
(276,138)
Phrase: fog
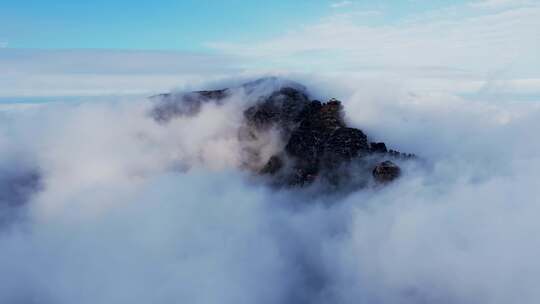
(102,204)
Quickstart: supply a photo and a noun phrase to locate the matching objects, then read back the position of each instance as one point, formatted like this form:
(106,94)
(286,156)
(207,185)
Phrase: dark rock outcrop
(273,165)
(386,172)
(318,144)
(173,105)
(378,147)
(283,107)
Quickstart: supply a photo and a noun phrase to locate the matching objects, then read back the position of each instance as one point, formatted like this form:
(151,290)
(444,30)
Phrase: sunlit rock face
(318,146)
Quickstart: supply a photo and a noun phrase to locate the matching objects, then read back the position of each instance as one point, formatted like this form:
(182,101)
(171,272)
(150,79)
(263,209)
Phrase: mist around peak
(106,204)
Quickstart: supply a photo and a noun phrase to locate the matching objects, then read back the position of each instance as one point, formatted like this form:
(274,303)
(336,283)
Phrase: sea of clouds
(101,204)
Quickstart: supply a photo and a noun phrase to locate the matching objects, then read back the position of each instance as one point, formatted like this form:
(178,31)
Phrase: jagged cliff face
(317,144)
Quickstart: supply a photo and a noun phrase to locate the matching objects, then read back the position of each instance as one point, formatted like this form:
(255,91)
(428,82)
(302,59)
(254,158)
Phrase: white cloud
(29,73)
(475,42)
(341,4)
(465,43)
(458,49)
(498,4)
(114,223)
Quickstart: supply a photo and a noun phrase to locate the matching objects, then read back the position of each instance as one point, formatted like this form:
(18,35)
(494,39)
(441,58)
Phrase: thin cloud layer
(439,34)
(429,47)
(39,73)
(498,4)
(341,4)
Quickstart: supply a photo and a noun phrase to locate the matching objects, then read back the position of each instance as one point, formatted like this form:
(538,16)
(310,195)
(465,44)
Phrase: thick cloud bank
(101,204)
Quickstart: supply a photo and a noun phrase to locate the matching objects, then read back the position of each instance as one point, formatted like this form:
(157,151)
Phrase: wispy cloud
(341,4)
(497,4)
(95,72)
(466,38)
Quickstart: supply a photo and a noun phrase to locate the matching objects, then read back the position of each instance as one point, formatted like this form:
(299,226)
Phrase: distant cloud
(39,73)
(463,38)
(497,4)
(455,48)
(3,44)
(341,4)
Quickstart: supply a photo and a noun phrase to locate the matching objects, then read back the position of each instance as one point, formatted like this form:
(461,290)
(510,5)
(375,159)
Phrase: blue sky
(172,24)
(165,24)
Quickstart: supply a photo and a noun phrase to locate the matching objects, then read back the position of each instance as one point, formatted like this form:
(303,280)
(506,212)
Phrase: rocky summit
(318,145)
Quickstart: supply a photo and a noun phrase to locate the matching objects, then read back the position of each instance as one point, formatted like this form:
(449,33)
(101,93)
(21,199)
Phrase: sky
(155,25)
(66,48)
(170,25)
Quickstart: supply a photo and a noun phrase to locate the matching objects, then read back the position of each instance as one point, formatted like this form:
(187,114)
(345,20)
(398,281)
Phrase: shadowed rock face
(173,105)
(318,144)
(386,172)
(283,107)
